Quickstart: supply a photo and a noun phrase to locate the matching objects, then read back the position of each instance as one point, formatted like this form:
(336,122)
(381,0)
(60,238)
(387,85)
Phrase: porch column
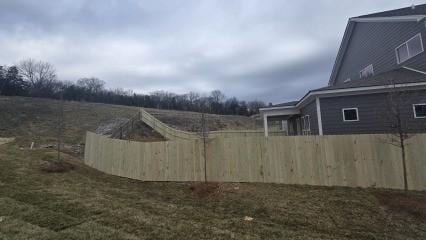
(265,124)
(319,116)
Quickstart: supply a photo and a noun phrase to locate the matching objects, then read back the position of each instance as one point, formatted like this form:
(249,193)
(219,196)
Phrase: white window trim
(343,115)
(347,80)
(414,109)
(360,72)
(408,50)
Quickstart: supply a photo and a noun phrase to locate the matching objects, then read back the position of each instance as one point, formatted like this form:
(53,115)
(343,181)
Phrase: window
(419,110)
(367,71)
(306,125)
(350,114)
(409,49)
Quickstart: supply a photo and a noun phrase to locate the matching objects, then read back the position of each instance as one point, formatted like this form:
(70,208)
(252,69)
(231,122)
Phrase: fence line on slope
(344,160)
(176,134)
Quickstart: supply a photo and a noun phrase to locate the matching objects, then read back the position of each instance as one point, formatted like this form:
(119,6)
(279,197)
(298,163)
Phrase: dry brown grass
(403,203)
(204,189)
(57,167)
(86,204)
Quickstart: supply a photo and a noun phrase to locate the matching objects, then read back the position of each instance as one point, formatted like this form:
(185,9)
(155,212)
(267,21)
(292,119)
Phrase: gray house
(378,82)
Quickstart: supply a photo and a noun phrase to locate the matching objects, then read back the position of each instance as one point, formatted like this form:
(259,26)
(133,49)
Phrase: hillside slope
(191,121)
(36,119)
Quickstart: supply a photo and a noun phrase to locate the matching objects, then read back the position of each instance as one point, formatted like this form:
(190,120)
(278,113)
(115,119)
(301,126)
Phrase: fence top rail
(156,124)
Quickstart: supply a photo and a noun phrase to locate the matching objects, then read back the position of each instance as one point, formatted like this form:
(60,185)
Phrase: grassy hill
(36,119)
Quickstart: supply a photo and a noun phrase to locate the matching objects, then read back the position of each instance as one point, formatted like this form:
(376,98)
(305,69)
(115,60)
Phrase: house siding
(375,43)
(372,112)
(311,110)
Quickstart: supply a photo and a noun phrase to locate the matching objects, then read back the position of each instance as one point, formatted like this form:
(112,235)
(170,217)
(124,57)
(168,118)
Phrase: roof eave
(342,50)
(408,18)
(344,91)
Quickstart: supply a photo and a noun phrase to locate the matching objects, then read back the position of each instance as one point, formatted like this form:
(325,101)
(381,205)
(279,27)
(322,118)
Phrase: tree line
(39,79)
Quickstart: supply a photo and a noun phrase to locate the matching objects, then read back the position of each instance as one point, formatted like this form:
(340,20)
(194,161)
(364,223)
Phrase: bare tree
(396,103)
(40,75)
(217,96)
(60,126)
(255,105)
(193,97)
(92,85)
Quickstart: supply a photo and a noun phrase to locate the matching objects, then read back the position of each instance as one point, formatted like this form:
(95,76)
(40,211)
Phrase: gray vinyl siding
(375,43)
(372,112)
(311,110)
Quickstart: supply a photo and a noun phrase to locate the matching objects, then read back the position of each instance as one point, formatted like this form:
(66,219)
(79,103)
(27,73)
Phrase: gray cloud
(252,49)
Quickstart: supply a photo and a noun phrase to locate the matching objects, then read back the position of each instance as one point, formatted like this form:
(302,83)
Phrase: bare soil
(144,133)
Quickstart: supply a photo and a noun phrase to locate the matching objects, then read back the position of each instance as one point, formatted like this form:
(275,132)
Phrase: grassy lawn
(86,204)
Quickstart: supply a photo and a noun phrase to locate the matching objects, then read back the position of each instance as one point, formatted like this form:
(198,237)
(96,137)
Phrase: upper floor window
(350,114)
(367,71)
(409,49)
(419,110)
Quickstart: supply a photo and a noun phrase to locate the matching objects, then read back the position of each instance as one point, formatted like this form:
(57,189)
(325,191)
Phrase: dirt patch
(107,127)
(414,205)
(141,132)
(57,167)
(204,189)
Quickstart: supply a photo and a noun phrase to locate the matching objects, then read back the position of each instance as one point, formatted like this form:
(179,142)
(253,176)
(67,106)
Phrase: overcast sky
(252,49)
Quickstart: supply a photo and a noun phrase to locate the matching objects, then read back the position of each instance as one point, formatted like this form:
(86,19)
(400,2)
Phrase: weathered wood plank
(352,160)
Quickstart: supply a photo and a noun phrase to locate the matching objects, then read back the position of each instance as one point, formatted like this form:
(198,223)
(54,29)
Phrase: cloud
(252,49)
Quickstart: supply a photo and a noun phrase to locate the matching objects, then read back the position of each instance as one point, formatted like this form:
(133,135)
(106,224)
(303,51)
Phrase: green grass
(86,204)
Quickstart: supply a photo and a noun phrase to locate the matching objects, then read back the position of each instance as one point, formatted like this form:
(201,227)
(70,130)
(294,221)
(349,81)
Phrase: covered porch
(288,116)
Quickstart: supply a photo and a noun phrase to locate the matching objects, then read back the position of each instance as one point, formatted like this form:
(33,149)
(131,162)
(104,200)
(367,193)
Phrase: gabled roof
(397,76)
(417,10)
(403,14)
(292,103)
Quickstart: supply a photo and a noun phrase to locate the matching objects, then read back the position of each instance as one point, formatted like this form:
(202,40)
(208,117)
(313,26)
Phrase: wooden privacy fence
(149,161)
(346,160)
(175,134)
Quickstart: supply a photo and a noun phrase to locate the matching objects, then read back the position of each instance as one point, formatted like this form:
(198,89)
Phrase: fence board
(350,160)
